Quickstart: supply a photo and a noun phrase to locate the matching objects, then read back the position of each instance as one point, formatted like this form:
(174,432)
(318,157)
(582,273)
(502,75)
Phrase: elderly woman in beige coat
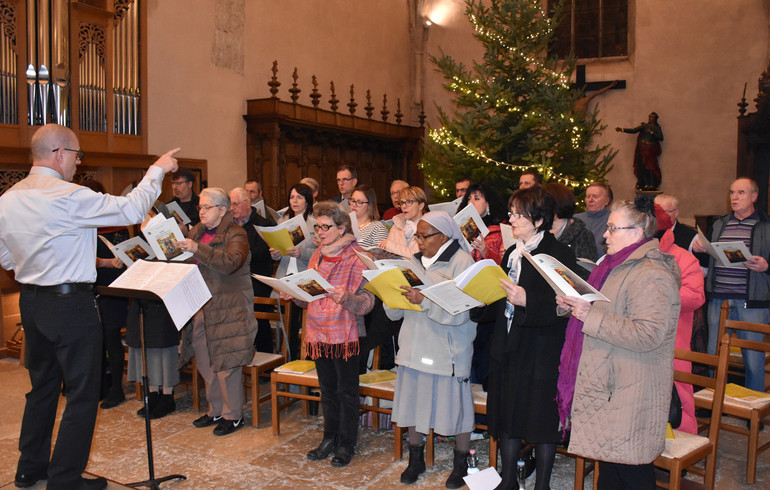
(623,382)
(222,333)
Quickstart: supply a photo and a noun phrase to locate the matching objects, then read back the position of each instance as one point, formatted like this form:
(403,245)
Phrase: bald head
(49,137)
(56,147)
(669,204)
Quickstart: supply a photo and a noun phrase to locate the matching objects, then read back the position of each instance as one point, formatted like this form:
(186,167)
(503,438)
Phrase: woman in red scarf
(331,331)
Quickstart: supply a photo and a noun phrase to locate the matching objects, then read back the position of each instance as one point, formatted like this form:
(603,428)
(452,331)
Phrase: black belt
(66,288)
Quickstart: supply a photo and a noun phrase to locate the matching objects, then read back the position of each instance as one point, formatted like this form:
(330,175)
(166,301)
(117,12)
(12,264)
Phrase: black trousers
(614,476)
(338,380)
(63,340)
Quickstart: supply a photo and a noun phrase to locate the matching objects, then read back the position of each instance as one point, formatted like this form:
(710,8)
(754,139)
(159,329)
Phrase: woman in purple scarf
(616,369)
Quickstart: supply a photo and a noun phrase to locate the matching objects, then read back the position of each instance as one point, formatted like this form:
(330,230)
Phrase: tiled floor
(254,458)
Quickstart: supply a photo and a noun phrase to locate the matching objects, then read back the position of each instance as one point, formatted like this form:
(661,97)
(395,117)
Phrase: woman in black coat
(526,343)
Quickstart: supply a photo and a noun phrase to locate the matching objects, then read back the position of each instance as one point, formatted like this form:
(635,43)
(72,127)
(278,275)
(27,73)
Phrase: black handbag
(675,411)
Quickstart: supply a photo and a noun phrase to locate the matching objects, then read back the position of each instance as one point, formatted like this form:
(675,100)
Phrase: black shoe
(416,465)
(459,470)
(165,406)
(152,399)
(323,450)
(24,480)
(342,456)
(97,483)
(113,399)
(206,421)
(226,427)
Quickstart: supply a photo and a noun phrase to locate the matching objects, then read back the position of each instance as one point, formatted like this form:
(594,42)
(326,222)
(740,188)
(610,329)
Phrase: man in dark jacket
(261,263)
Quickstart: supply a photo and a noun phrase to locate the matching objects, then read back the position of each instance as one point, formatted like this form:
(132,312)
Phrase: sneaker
(226,427)
(206,421)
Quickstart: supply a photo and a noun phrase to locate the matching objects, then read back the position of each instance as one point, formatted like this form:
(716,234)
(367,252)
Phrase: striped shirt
(732,282)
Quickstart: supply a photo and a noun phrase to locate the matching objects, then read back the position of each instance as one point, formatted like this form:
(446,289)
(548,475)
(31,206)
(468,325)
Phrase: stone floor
(254,458)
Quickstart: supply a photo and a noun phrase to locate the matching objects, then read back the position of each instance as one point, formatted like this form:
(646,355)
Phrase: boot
(459,470)
(323,450)
(164,406)
(416,465)
(152,400)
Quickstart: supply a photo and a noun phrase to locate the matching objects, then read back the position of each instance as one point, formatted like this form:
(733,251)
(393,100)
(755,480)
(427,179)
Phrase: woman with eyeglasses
(221,336)
(300,203)
(400,241)
(433,389)
(492,210)
(525,343)
(332,327)
(616,372)
(363,202)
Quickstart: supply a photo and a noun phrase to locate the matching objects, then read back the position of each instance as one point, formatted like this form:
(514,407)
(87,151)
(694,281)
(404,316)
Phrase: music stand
(153,483)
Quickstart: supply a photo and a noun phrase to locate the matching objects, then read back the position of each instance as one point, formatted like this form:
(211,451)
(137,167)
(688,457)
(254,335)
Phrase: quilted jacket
(625,376)
(229,314)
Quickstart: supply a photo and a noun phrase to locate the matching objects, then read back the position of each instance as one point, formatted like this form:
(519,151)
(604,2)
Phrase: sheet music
(162,235)
(180,286)
(176,210)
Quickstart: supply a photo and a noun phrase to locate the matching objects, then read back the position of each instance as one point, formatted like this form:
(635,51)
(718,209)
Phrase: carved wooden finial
(422,115)
(369,108)
(294,89)
(274,83)
(314,95)
(352,104)
(385,110)
(334,101)
(399,114)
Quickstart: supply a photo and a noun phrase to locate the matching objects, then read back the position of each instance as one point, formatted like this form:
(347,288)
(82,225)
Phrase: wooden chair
(687,449)
(583,466)
(265,361)
(304,380)
(739,409)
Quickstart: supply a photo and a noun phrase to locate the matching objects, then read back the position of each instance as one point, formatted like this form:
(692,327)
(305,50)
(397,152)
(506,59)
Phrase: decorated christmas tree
(514,109)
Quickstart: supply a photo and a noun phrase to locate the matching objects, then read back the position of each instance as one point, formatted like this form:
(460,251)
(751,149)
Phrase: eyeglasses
(461,189)
(206,208)
(613,229)
(407,202)
(177,183)
(356,202)
(323,227)
(78,153)
(516,215)
(344,179)
(236,203)
(395,193)
(422,238)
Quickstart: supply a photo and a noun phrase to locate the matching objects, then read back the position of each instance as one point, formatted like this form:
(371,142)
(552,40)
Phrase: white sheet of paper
(486,479)
(354,226)
(173,207)
(162,234)
(180,286)
(450,207)
(449,297)
(507,232)
(130,250)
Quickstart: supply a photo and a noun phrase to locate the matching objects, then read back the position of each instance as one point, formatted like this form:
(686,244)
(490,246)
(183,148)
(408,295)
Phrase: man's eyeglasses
(206,208)
(407,202)
(323,227)
(356,202)
(236,203)
(344,179)
(78,153)
(422,238)
(613,229)
(179,182)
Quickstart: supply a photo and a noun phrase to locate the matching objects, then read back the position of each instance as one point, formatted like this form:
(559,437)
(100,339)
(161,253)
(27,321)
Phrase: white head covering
(444,223)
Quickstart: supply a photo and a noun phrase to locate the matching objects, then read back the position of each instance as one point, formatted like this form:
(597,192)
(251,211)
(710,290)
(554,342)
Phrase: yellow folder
(387,287)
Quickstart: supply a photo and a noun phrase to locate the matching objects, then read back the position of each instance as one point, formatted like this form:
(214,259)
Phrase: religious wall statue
(646,167)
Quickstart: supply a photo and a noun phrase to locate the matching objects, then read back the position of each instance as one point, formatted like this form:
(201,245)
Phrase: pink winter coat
(692,296)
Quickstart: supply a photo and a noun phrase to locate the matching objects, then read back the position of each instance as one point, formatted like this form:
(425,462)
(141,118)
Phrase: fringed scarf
(332,331)
(573,341)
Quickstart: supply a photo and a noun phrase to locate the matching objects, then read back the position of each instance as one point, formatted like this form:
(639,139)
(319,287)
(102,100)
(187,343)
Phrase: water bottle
(521,471)
(473,462)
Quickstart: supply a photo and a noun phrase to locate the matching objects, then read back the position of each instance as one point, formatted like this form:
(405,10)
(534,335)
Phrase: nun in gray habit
(433,390)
